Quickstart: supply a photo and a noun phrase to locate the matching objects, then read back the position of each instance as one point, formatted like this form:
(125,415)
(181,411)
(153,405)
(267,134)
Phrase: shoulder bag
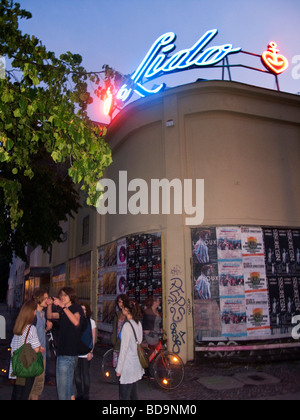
(26,363)
(143,358)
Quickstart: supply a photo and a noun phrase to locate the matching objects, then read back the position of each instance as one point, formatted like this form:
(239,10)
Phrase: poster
(229,243)
(282,269)
(121,285)
(252,241)
(258,317)
(294,251)
(107,285)
(231,278)
(207,319)
(255,277)
(230,283)
(144,266)
(132,266)
(233,316)
(80,269)
(205,264)
(59,276)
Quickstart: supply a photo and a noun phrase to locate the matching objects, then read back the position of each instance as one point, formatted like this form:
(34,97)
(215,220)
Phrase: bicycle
(166,367)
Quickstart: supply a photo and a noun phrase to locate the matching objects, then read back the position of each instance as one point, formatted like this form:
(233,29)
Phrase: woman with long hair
(118,323)
(23,327)
(129,369)
(152,321)
(82,370)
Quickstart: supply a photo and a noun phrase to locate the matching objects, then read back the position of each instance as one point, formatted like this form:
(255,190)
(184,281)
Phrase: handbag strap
(27,334)
(133,332)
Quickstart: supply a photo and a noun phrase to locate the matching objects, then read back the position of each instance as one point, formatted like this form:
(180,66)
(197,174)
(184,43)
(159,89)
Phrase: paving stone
(256,378)
(219,383)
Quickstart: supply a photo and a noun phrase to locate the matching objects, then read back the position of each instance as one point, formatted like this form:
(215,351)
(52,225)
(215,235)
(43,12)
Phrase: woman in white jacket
(129,368)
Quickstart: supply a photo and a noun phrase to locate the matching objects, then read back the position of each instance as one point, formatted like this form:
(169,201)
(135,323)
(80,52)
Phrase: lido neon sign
(158,62)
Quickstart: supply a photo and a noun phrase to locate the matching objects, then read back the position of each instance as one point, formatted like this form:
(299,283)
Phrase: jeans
(82,378)
(65,367)
(128,392)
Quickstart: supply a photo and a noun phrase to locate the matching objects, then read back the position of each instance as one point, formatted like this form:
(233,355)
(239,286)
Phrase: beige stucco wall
(243,141)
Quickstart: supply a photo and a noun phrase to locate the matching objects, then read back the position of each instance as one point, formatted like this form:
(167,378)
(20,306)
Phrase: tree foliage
(43,118)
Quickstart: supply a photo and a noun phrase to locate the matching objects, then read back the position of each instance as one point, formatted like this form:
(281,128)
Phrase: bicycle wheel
(168,370)
(107,369)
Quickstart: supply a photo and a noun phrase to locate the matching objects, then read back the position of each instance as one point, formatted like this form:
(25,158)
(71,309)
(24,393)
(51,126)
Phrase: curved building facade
(201,209)
(242,144)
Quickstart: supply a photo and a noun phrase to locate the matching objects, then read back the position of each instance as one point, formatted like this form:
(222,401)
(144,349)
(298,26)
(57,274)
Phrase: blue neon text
(158,62)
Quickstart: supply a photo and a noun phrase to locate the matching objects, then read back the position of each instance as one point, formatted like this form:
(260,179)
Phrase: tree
(43,118)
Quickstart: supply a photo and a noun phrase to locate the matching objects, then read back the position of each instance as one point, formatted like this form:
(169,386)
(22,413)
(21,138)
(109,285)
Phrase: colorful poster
(232,291)
(233,316)
(252,241)
(255,277)
(256,288)
(258,317)
(229,243)
(231,278)
(229,273)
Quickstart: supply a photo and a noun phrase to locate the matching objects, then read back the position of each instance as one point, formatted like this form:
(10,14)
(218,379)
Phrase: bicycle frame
(158,349)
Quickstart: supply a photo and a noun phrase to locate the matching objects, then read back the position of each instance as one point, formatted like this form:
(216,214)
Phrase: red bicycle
(165,367)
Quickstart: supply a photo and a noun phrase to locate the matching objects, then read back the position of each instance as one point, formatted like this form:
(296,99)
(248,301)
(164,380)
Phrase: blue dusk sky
(120,32)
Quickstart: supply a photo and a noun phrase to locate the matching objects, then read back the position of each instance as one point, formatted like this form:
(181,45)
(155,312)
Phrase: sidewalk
(208,380)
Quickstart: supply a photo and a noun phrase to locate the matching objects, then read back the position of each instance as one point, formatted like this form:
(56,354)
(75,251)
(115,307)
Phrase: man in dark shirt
(69,335)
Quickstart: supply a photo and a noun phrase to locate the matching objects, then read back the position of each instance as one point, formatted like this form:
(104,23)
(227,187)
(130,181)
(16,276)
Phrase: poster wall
(246,281)
(132,266)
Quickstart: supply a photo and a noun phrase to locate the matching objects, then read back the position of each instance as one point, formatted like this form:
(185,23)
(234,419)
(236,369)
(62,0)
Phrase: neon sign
(273,61)
(108,102)
(158,62)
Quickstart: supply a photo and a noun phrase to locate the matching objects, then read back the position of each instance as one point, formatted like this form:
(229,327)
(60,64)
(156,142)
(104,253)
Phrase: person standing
(82,370)
(24,330)
(129,369)
(40,297)
(152,321)
(118,323)
(68,339)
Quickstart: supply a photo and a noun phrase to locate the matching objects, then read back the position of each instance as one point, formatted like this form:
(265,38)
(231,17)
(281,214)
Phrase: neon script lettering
(158,62)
